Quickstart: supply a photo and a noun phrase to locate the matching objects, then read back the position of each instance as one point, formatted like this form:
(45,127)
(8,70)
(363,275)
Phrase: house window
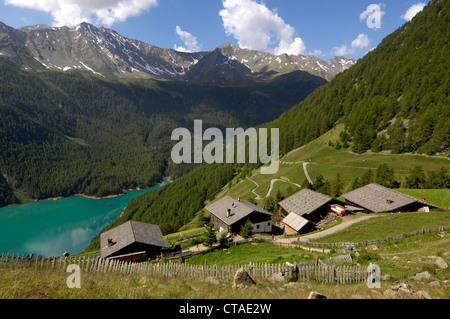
(268,224)
(257,226)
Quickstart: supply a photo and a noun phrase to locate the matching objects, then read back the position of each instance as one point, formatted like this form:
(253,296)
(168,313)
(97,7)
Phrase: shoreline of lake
(50,227)
(124,192)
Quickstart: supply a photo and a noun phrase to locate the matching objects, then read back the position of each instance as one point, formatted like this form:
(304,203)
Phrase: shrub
(366,257)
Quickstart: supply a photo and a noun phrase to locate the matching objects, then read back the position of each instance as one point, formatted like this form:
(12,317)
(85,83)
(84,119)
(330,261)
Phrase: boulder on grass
(242,279)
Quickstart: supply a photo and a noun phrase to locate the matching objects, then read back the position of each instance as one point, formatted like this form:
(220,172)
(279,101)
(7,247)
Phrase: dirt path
(272,182)
(256,186)
(346,222)
(306,172)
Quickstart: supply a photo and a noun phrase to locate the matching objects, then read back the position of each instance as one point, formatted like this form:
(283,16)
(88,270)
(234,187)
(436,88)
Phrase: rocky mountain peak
(107,53)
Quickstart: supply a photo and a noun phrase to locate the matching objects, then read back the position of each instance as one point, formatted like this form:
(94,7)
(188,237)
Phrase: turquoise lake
(51,227)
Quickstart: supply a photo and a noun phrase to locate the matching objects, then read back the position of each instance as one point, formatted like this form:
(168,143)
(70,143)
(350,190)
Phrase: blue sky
(323,28)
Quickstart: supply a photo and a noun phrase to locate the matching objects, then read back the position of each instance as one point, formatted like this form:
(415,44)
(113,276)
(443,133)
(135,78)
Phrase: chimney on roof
(229,212)
(111,242)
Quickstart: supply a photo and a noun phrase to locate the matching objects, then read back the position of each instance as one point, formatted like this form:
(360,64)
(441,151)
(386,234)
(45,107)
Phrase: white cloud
(258,28)
(361,42)
(317,53)
(189,40)
(72,12)
(412,11)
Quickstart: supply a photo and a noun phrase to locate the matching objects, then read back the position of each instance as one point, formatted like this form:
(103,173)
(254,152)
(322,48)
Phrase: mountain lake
(52,227)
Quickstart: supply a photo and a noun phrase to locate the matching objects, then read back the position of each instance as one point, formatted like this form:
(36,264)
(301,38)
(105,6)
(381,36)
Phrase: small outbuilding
(230,214)
(297,224)
(305,208)
(309,204)
(132,241)
(374,198)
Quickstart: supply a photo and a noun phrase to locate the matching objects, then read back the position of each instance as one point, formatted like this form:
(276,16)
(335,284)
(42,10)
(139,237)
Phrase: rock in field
(242,279)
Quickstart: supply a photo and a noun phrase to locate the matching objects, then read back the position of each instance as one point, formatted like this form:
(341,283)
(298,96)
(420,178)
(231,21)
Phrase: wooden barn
(304,208)
(132,241)
(230,214)
(374,198)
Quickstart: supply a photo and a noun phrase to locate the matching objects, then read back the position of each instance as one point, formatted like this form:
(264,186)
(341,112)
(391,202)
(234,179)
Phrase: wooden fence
(348,246)
(339,247)
(330,270)
(324,271)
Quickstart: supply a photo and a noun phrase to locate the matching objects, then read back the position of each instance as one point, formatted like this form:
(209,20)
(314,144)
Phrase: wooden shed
(374,198)
(305,208)
(309,204)
(132,241)
(297,224)
(230,214)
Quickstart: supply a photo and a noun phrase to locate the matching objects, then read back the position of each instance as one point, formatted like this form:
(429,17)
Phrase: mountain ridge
(105,52)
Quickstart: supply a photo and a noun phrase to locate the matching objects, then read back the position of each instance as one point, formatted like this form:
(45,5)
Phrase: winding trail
(272,182)
(256,186)
(306,172)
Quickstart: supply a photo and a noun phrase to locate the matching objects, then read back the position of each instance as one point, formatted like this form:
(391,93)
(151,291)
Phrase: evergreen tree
(367,178)
(246,230)
(223,240)
(356,183)
(385,176)
(306,184)
(337,186)
(210,237)
(416,178)
(319,183)
(269,204)
(397,136)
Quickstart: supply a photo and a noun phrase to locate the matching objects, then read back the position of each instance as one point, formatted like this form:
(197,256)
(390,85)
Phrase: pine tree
(210,237)
(338,186)
(247,229)
(385,175)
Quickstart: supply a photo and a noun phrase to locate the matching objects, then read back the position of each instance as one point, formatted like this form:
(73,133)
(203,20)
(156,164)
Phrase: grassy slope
(327,161)
(390,225)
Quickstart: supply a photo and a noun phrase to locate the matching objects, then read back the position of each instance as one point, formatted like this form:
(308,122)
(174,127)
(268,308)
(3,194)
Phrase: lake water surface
(51,227)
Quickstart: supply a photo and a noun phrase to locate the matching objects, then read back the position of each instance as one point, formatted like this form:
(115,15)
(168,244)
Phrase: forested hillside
(395,98)
(176,204)
(66,133)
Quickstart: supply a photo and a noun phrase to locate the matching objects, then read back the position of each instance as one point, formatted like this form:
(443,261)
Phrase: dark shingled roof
(129,233)
(239,209)
(304,202)
(377,198)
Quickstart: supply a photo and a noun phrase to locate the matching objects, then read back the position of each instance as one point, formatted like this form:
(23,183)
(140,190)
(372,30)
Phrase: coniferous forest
(67,133)
(395,98)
